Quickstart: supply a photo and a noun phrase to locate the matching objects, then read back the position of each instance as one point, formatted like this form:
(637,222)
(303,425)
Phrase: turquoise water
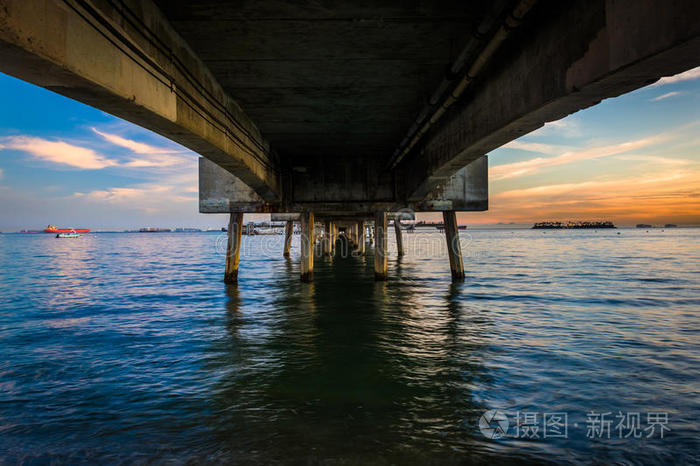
(123,348)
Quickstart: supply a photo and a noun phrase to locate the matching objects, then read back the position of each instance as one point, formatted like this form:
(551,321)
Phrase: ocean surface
(129,348)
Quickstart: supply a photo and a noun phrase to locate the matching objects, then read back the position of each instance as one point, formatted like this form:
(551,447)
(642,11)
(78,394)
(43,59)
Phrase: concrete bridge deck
(345,108)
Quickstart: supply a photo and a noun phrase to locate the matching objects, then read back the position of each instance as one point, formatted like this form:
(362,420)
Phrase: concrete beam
(466,190)
(221,192)
(285,217)
(129,62)
(567,56)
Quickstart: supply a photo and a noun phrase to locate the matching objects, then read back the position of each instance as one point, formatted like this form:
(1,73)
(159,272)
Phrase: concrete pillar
(327,237)
(454,249)
(288,232)
(307,246)
(399,238)
(361,237)
(233,247)
(334,237)
(380,259)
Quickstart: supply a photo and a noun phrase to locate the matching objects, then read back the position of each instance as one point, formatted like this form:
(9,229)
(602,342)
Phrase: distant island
(571,225)
(646,225)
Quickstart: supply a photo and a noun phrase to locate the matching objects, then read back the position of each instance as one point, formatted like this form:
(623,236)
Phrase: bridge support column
(380,259)
(288,232)
(327,238)
(333,238)
(233,247)
(454,249)
(399,238)
(361,237)
(307,246)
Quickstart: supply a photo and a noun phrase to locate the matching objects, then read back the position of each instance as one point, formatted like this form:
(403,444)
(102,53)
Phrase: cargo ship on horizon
(55,229)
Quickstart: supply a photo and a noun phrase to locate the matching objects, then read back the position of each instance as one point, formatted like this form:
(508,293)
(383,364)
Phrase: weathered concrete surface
(128,61)
(327,80)
(222,192)
(567,56)
(466,190)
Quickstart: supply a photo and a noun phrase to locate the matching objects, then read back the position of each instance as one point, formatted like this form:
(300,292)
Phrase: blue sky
(635,158)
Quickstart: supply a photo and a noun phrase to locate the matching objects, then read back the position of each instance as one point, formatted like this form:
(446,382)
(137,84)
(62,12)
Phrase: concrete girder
(221,192)
(566,57)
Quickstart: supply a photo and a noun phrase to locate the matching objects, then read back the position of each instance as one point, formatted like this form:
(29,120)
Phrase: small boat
(71,234)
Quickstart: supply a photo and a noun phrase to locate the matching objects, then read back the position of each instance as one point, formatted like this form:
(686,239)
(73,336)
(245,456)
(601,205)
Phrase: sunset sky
(632,159)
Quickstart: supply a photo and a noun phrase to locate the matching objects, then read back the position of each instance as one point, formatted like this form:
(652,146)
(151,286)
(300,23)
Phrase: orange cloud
(670,196)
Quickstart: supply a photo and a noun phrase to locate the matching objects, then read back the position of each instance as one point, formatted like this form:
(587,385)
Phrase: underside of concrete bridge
(345,108)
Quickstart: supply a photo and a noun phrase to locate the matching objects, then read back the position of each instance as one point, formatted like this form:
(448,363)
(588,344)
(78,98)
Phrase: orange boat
(55,229)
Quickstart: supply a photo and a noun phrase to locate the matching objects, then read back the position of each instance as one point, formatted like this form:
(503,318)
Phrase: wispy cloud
(686,76)
(531,166)
(666,96)
(149,155)
(122,194)
(148,197)
(134,146)
(153,161)
(538,147)
(79,156)
(58,152)
(654,159)
(586,188)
